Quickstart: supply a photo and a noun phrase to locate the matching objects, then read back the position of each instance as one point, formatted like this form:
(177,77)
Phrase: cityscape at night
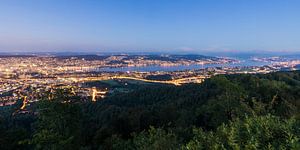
(31,75)
(149,75)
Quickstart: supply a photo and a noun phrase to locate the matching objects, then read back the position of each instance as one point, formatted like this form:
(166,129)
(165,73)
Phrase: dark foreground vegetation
(224,112)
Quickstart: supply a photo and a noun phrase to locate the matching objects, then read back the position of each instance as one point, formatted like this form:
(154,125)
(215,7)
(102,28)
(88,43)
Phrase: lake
(243,63)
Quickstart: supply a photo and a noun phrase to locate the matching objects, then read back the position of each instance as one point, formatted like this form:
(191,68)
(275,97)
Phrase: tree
(264,132)
(153,139)
(58,124)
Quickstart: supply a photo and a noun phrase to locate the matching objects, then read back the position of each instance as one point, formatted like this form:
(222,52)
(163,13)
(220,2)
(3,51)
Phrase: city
(149,75)
(28,77)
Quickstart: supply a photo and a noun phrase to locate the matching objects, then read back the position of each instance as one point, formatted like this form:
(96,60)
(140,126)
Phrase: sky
(149,25)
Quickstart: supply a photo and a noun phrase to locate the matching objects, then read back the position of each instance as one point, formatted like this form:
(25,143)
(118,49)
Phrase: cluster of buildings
(29,78)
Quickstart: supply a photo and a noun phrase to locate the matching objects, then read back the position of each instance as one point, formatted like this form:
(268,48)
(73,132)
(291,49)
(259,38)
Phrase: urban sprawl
(28,78)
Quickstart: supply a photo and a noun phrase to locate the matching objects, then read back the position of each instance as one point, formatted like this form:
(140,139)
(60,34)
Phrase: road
(176,82)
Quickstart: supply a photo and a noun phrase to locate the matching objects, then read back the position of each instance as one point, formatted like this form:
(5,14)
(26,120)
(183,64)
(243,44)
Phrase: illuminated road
(145,80)
(176,82)
(24,102)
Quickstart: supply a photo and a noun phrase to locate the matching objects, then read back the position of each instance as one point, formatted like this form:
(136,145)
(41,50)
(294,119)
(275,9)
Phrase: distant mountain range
(235,54)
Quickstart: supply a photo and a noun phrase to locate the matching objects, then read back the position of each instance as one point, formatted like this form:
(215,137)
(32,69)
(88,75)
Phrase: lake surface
(243,63)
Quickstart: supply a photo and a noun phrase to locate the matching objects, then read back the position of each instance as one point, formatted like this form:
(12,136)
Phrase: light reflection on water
(243,63)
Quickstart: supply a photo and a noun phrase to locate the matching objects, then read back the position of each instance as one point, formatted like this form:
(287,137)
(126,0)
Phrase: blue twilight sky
(149,25)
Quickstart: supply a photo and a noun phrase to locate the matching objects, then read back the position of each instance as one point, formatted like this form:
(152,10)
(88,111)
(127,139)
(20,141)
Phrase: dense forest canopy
(241,111)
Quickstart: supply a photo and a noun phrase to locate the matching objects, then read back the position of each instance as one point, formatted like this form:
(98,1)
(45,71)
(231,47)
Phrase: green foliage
(225,111)
(153,139)
(228,105)
(58,124)
(14,128)
(265,132)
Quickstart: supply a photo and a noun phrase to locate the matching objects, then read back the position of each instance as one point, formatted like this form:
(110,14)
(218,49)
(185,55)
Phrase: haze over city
(191,26)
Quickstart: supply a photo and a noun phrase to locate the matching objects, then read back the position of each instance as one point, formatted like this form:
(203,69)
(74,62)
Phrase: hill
(239,111)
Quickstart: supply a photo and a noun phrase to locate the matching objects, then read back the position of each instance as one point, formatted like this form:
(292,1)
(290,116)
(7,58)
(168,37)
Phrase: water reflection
(245,63)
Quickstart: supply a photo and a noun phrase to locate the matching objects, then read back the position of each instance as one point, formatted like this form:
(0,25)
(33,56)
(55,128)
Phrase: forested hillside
(240,111)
